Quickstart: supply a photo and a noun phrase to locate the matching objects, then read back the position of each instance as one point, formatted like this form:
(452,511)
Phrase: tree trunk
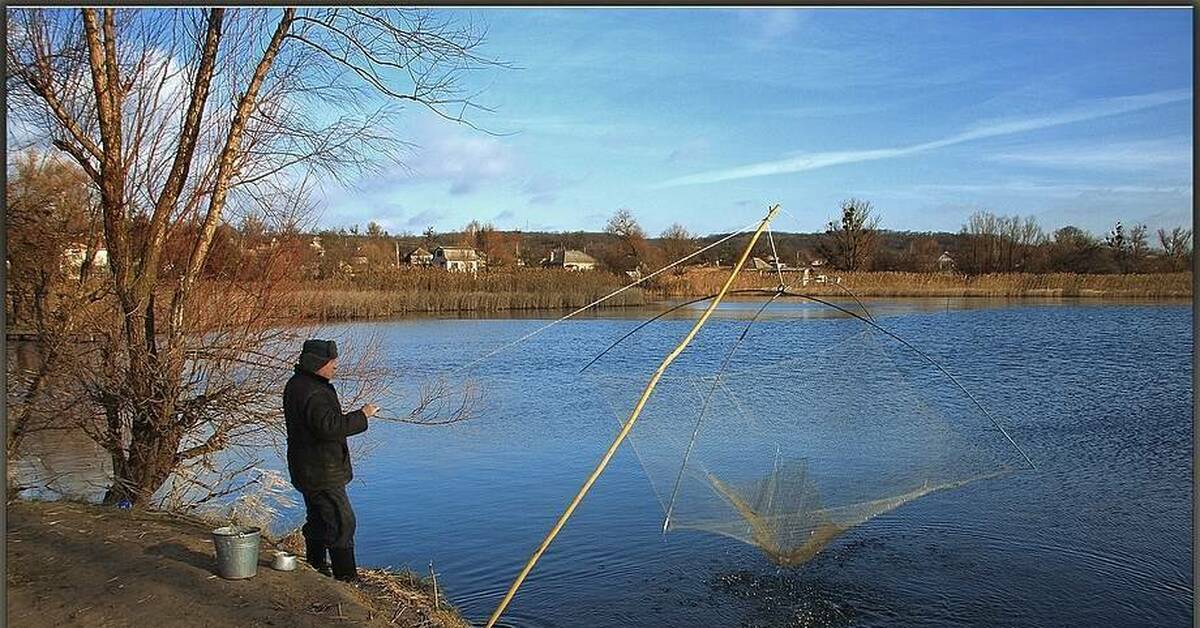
(150,461)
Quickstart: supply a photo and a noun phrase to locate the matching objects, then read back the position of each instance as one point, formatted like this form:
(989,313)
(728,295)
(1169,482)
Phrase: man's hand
(370,409)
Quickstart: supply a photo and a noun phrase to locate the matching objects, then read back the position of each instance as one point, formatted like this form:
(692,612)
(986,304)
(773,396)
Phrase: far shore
(346,301)
(530,293)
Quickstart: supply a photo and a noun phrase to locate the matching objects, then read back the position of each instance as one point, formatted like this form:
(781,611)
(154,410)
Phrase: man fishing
(319,460)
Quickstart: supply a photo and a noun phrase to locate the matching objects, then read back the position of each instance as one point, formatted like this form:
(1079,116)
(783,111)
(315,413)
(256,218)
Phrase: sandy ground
(79,565)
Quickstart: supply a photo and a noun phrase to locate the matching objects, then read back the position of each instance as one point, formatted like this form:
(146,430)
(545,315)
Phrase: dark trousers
(329,518)
(329,531)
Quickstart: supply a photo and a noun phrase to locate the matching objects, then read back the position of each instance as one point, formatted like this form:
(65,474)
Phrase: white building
(74,255)
(570,259)
(419,257)
(456,259)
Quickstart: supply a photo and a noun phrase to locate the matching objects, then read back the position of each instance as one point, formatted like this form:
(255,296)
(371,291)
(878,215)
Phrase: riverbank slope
(73,564)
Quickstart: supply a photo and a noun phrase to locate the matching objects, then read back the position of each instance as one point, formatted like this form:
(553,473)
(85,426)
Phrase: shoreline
(75,564)
(341,303)
(611,311)
(523,295)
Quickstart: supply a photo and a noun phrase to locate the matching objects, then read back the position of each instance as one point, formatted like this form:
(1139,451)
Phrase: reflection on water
(1099,394)
(50,462)
(58,463)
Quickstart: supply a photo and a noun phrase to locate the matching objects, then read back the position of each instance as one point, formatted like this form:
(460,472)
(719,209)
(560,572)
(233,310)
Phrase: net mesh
(787,431)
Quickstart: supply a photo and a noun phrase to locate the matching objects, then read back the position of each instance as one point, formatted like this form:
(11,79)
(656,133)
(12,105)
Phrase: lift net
(786,431)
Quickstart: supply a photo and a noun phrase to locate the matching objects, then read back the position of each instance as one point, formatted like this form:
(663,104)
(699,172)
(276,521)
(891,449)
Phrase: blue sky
(706,116)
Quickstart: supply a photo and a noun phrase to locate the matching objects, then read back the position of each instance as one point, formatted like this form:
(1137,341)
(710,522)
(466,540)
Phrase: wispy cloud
(1136,155)
(561,126)
(811,161)
(1050,190)
(423,219)
(690,150)
(452,155)
(543,188)
(771,25)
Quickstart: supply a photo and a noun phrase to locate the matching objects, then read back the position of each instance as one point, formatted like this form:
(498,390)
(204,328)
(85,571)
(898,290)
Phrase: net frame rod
(637,410)
(687,454)
(775,254)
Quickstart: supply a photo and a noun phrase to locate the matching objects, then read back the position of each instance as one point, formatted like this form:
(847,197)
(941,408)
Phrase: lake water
(1098,394)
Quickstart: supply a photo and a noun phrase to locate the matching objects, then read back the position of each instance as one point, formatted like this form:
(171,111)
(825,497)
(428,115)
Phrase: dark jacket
(317,455)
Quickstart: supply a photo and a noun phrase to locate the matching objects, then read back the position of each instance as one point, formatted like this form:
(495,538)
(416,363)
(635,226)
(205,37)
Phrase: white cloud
(1051,190)
(423,219)
(1136,155)
(560,126)
(690,151)
(462,158)
(811,161)
(769,26)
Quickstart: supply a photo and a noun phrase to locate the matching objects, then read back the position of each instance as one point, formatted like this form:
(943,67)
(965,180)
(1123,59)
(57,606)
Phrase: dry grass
(403,598)
(699,282)
(408,599)
(436,291)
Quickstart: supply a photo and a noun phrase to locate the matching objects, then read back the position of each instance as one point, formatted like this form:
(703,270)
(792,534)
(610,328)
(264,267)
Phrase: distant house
(569,259)
(75,254)
(419,257)
(456,259)
(945,263)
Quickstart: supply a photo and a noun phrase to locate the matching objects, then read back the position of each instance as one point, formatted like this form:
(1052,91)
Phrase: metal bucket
(237,551)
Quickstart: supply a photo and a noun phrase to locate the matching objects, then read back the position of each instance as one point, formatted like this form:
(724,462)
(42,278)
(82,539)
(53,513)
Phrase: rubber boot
(317,556)
(344,568)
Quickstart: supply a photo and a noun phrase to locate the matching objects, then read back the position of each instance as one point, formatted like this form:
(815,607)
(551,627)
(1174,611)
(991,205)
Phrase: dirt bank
(79,565)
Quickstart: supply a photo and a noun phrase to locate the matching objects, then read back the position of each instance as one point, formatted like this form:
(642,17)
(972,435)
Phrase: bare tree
(677,242)
(850,241)
(1139,247)
(50,222)
(623,225)
(998,244)
(1177,247)
(1074,250)
(631,249)
(1127,247)
(922,255)
(51,229)
(183,117)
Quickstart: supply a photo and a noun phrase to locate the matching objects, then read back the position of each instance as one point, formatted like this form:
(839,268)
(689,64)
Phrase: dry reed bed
(894,284)
(436,291)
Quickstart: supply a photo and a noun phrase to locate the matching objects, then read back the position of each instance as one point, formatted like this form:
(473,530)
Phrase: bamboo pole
(633,417)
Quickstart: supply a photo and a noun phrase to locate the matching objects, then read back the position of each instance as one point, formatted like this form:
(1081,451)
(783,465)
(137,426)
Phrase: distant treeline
(854,241)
